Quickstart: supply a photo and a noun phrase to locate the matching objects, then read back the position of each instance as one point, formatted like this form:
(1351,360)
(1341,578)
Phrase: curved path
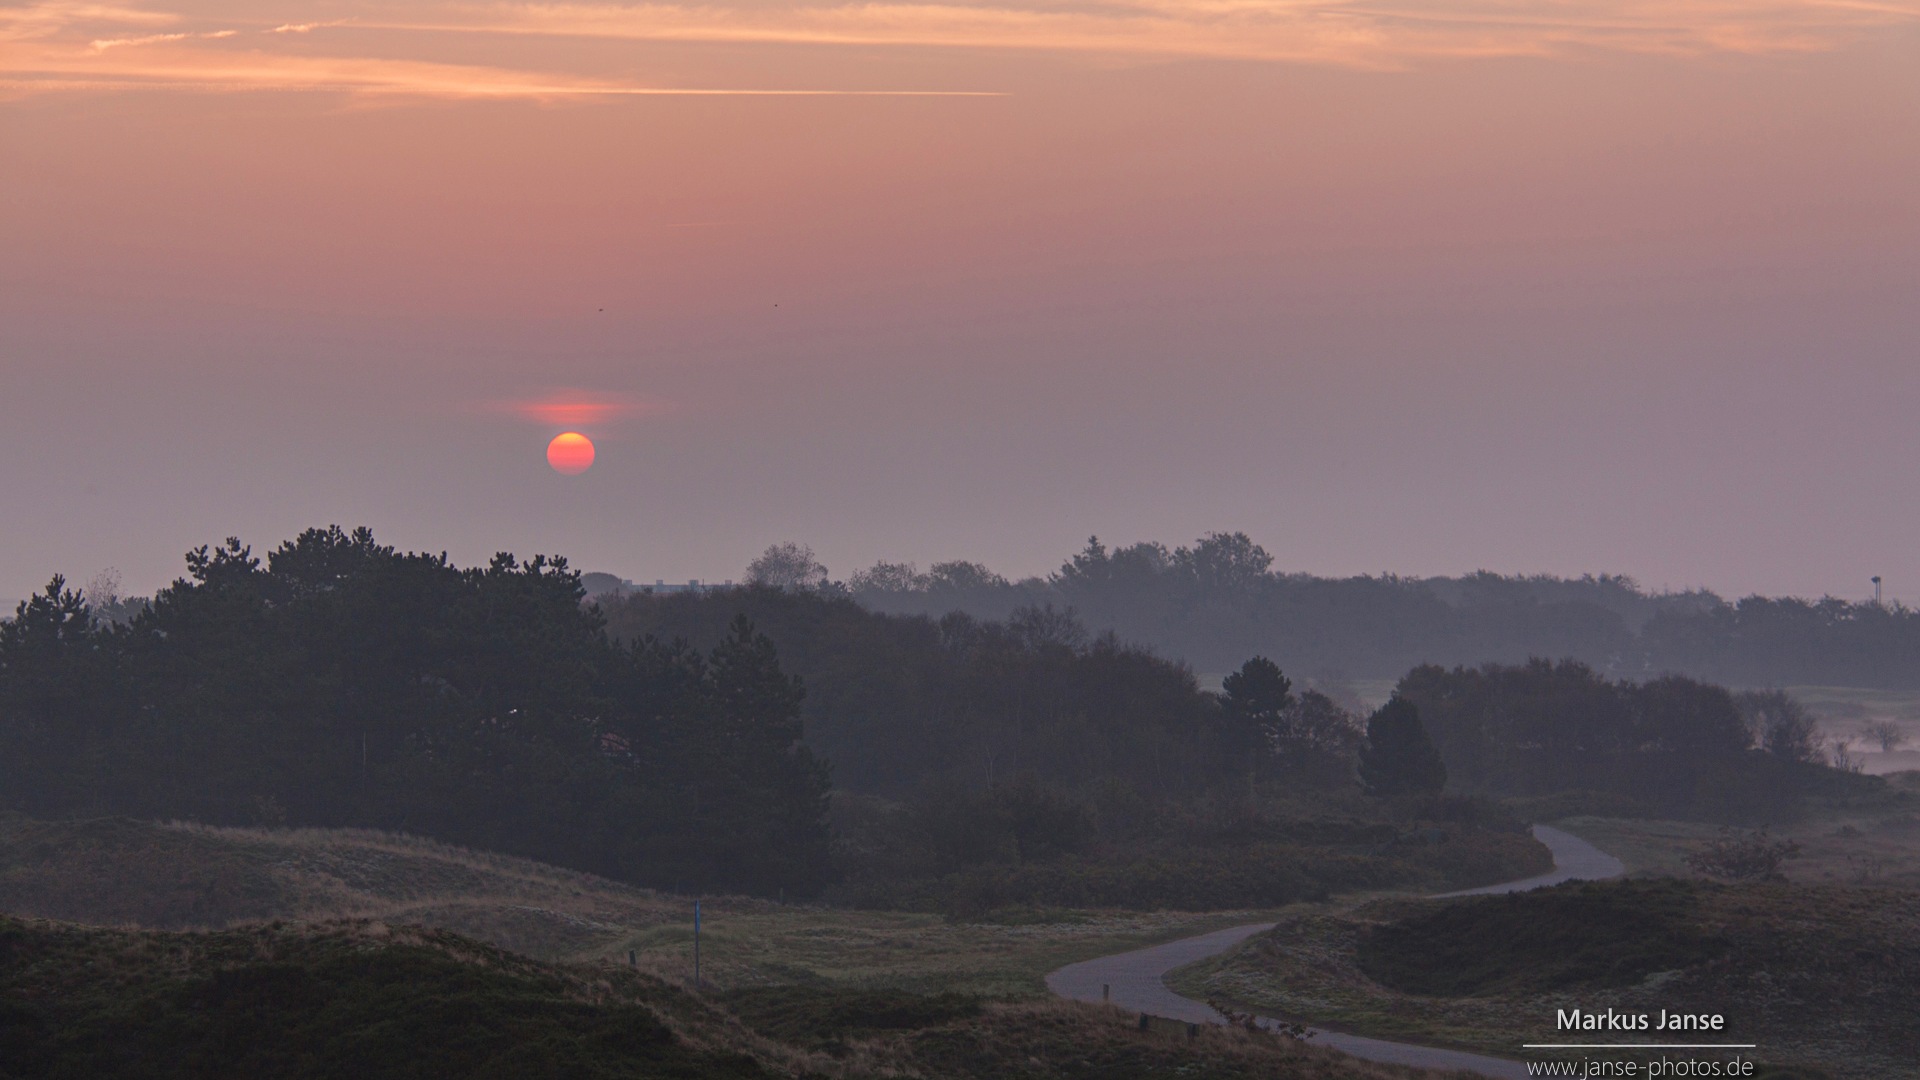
(1136,980)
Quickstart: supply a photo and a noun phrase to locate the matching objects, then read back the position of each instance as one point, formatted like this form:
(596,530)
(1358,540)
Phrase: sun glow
(570,453)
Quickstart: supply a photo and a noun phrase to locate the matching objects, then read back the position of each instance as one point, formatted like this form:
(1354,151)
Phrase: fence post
(1106,991)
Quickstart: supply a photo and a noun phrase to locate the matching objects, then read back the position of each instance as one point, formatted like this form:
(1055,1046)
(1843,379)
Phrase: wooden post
(1106,991)
(633,958)
(1145,1021)
(696,944)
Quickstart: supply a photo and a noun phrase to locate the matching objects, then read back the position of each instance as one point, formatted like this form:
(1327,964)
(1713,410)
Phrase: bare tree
(1840,753)
(105,602)
(1781,725)
(788,566)
(886,577)
(104,590)
(1888,734)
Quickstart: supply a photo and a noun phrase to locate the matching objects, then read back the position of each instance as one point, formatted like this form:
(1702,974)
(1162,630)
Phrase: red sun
(570,453)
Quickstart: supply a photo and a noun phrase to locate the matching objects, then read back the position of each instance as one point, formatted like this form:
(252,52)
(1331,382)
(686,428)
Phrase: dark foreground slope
(365,1000)
(354,998)
(1826,976)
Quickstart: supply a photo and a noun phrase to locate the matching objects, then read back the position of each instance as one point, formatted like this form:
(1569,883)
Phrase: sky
(1554,287)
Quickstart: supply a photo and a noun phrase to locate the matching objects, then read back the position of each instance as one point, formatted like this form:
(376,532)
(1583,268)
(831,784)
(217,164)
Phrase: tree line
(684,740)
(339,682)
(1220,600)
(1671,746)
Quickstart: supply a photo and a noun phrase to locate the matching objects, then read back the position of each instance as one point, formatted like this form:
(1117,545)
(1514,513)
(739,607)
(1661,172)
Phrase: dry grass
(1063,1040)
(177,876)
(1817,975)
(908,952)
(1865,844)
(115,872)
(150,986)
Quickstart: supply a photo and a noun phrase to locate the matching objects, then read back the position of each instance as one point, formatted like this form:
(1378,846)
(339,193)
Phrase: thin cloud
(70,46)
(102,45)
(577,408)
(1324,31)
(167,64)
(50,19)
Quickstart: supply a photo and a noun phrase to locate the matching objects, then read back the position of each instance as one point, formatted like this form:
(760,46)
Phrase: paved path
(1137,983)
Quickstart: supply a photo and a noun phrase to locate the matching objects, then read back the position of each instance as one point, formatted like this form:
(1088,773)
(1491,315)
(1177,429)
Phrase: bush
(1584,934)
(1744,857)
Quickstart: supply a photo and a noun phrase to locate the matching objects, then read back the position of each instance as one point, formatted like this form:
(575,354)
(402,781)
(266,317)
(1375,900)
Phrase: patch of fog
(1880,741)
(1880,763)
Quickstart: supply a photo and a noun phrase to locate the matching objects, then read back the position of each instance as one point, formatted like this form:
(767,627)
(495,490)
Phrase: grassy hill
(1821,975)
(117,872)
(113,871)
(286,1000)
(367,1000)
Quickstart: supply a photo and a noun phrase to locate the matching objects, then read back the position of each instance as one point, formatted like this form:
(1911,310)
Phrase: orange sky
(1424,288)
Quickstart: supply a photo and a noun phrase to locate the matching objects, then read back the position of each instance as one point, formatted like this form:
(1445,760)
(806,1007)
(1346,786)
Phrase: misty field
(1862,717)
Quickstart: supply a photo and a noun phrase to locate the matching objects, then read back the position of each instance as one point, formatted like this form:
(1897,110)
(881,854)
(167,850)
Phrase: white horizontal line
(1638,1046)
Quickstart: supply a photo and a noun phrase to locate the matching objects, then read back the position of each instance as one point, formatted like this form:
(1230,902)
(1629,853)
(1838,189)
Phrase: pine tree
(771,816)
(1254,707)
(1398,757)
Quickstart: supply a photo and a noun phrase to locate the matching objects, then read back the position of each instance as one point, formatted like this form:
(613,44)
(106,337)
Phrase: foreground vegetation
(370,1000)
(1818,975)
(178,877)
(339,682)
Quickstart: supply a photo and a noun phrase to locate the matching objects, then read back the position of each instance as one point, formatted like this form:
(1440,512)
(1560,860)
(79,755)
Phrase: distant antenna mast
(1876,590)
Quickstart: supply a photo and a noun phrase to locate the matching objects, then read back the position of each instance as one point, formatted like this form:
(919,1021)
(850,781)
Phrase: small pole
(633,958)
(1106,991)
(696,944)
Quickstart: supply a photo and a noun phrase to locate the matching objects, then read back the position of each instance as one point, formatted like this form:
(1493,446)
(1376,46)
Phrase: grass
(907,952)
(330,926)
(1874,842)
(117,872)
(366,1000)
(172,876)
(1605,935)
(1821,974)
(354,998)
(113,871)
(1850,703)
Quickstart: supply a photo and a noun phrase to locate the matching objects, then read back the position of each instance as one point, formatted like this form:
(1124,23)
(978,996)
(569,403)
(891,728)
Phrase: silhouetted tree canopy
(1220,600)
(346,683)
(1397,758)
(1671,743)
(668,739)
(1254,707)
